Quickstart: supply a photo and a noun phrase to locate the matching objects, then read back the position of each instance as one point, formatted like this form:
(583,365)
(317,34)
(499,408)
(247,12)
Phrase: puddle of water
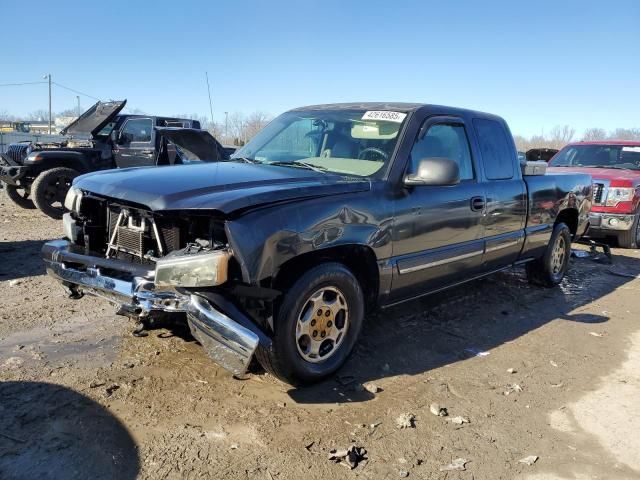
(94,341)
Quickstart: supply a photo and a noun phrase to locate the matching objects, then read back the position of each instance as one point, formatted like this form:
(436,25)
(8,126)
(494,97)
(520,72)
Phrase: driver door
(136,143)
(438,230)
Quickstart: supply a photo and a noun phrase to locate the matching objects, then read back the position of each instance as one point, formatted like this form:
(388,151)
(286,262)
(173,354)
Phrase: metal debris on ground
(349,457)
(457,464)
(511,370)
(530,460)
(459,420)
(553,364)
(595,334)
(514,387)
(403,474)
(438,410)
(406,420)
(477,352)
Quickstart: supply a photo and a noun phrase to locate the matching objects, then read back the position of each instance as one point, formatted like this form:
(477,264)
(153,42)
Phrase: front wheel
(19,196)
(316,325)
(50,189)
(549,270)
(631,238)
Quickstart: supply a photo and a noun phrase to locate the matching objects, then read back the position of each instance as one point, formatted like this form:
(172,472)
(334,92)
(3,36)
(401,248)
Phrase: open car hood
(94,119)
(195,144)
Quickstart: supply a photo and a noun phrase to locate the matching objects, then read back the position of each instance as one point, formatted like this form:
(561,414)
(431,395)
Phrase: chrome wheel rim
(558,255)
(322,325)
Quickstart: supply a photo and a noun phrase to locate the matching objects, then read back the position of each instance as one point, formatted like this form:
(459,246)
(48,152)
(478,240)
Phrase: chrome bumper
(227,342)
(609,221)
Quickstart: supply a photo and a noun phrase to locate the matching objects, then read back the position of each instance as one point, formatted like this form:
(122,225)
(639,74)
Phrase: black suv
(39,175)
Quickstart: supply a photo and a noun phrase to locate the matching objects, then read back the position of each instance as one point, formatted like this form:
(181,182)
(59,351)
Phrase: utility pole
(226,127)
(78,98)
(210,104)
(49,77)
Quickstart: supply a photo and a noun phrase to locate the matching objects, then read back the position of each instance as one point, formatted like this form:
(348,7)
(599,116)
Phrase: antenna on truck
(206,74)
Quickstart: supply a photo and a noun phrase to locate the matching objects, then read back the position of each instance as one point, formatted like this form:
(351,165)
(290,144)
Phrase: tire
(18,196)
(325,297)
(549,270)
(50,188)
(631,237)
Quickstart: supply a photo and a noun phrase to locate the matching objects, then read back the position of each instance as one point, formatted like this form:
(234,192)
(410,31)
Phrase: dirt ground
(80,397)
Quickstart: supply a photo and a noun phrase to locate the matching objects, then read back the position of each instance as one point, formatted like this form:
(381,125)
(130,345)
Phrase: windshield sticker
(397,117)
(631,149)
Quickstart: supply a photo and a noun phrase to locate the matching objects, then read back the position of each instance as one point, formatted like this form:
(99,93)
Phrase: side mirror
(434,171)
(114,136)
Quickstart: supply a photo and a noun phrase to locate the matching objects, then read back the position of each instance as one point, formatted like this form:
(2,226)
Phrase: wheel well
(359,259)
(569,216)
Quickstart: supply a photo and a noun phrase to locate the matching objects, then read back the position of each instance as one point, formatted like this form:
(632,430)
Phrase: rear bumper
(229,342)
(608,223)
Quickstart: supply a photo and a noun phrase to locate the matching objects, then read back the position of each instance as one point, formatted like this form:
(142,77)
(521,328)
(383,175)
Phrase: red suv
(614,166)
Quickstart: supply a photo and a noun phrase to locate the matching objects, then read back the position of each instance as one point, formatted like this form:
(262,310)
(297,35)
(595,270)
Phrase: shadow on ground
(49,431)
(21,259)
(463,322)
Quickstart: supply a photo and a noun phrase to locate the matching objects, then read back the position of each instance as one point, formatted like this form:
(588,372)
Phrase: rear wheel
(18,196)
(50,188)
(549,270)
(316,326)
(631,237)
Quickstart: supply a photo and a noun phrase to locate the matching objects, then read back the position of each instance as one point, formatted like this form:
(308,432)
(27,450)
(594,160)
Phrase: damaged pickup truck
(328,212)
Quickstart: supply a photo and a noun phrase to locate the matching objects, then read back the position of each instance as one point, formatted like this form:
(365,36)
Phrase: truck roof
(396,106)
(630,143)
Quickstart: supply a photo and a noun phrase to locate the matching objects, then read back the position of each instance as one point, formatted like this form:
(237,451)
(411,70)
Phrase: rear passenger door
(438,230)
(506,194)
(136,143)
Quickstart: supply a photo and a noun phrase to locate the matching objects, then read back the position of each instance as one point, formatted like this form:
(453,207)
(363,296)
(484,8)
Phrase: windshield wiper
(243,160)
(300,163)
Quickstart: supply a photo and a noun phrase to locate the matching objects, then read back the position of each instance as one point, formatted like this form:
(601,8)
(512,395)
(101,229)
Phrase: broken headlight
(73,199)
(619,194)
(206,269)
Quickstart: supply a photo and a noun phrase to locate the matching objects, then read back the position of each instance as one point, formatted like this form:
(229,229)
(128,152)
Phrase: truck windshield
(598,156)
(350,142)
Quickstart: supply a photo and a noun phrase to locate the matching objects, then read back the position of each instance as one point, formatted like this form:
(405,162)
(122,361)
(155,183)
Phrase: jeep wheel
(18,196)
(316,325)
(50,188)
(549,270)
(631,238)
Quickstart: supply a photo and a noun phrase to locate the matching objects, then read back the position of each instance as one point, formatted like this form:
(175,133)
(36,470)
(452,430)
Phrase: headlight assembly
(619,194)
(73,199)
(195,270)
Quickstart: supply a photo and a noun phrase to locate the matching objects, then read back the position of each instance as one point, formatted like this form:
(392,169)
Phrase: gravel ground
(550,373)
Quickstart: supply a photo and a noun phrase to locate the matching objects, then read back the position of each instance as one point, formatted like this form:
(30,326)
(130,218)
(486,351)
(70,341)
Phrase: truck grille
(17,152)
(138,237)
(598,191)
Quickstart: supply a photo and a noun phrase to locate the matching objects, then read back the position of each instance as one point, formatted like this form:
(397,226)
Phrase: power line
(19,84)
(75,91)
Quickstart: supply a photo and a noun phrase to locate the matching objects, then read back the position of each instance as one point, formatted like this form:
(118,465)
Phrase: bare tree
(560,135)
(38,115)
(594,134)
(626,134)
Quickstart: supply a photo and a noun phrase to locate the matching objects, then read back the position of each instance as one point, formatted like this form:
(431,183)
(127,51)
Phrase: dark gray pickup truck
(328,212)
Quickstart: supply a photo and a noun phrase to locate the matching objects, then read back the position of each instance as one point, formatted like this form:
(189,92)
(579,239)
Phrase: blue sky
(538,64)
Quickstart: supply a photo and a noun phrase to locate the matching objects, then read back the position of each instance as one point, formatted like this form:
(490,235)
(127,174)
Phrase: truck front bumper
(229,342)
(609,223)
(11,174)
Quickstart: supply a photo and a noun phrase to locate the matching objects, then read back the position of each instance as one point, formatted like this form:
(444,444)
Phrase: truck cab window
(447,141)
(138,130)
(497,154)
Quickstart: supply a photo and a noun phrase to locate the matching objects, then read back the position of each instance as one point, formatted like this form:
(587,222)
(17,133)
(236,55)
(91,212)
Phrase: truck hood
(221,186)
(94,119)
(611,174)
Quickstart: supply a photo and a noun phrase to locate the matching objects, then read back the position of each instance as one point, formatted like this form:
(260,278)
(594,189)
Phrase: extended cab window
(444,140)
(497,155)
(138,130)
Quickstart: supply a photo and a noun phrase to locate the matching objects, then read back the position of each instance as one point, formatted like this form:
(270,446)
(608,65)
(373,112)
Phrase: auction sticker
(388,116)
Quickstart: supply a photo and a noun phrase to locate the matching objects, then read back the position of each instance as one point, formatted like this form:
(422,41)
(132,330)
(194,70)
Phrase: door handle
(478,204)
(146,152)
